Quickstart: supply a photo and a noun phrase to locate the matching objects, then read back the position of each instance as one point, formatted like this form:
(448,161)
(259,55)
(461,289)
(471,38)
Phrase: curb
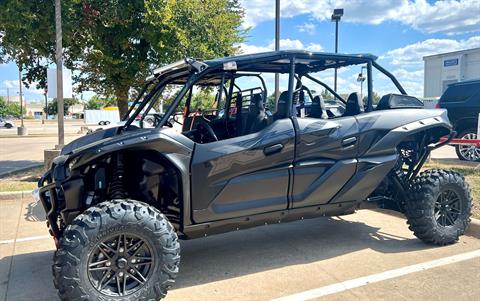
(30,166)
(12,195)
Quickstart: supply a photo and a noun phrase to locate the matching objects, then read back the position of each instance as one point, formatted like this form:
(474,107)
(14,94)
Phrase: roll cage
(297,64)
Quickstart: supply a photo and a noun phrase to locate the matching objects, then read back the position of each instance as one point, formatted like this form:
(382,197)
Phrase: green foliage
(203,99)
(271,103)
(97,102)
(67,103)
(114,44)
(327,95)
(9,109)
(376,98)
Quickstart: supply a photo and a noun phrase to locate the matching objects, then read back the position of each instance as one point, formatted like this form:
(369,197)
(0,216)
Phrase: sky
(399,32)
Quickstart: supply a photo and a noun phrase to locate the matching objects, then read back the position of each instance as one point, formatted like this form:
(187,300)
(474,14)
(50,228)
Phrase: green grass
(20,181)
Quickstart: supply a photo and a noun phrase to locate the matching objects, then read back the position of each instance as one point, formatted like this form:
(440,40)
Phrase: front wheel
(8,125)
(468,152)
(439,205)
(117,250)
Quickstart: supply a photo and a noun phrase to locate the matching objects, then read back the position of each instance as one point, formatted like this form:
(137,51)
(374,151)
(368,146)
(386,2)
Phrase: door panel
(325,159)
(243,175)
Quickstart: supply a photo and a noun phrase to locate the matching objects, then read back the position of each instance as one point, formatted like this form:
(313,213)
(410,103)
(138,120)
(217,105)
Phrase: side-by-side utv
(118,200)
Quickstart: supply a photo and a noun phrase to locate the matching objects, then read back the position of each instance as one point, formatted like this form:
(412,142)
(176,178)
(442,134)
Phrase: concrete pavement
(22,152)
(264,263)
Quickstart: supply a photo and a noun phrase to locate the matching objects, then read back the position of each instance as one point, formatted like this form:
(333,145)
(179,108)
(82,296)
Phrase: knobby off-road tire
(88,245)
(438,207)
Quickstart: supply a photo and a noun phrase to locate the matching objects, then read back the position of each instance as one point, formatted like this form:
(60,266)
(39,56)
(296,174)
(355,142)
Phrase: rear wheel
(8,125)
(117,250)
(468,152)
(438,207)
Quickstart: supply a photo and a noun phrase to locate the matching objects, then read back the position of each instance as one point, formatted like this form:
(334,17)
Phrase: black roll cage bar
(198,73)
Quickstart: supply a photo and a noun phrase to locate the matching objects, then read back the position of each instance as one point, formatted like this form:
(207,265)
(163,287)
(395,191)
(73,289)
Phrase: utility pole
(45,112)
(8,95)
(277,46)
(58,54)
(336,16)
(20,94)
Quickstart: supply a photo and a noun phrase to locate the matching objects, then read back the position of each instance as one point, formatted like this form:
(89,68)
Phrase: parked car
(462,101)
(118,200)
(6,123)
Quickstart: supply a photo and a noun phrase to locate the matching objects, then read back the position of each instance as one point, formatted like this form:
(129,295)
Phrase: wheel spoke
(135,278)
(137,272)
(149,262)
(108,248)
(136,246)
(99,269)
(449,218)
(119,286)
(93,264)
(105,276)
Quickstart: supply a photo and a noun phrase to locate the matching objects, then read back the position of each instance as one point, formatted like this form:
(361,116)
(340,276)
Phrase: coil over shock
(117,188)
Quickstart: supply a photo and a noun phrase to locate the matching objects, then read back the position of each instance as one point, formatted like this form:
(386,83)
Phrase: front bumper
(47,194)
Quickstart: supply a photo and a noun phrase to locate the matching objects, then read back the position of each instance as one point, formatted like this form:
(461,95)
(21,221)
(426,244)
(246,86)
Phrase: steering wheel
(158,118)
(205,123)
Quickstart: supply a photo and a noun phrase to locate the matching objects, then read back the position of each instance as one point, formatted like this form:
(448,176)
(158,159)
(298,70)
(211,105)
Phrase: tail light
(437,106)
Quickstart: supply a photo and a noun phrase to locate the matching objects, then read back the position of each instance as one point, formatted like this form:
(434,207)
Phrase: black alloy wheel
(120,265)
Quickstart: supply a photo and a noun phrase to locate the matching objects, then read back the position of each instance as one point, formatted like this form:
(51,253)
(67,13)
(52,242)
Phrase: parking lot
(368,255)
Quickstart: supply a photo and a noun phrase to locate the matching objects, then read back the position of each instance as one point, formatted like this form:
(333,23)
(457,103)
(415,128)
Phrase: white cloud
(449,16)
(308,28)
(285,44)
(413,54)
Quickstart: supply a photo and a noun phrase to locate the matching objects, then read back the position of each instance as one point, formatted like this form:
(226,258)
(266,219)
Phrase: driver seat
(256,117)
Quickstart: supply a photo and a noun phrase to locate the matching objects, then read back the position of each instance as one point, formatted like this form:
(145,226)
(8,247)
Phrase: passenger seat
(354,105)
(318,110)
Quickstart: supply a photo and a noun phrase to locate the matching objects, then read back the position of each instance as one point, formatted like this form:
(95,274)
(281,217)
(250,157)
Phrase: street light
(336,16)
(361,78)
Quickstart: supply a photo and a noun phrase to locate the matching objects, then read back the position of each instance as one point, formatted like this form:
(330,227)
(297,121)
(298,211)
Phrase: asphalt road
(327,257)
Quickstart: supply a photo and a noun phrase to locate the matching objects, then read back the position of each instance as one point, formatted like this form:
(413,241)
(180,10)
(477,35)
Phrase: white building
(446,68)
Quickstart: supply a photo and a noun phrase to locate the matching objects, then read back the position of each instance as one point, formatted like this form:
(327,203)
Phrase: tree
(67,103)
(375,96)
(327,95)
(97,102)
(9,109)
(270,104)
(114,44)
(203,99)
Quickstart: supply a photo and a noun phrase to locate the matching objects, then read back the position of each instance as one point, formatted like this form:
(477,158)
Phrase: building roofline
(452,52)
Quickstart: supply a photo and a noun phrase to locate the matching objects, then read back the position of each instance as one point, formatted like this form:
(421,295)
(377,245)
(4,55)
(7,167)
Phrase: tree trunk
(122,100)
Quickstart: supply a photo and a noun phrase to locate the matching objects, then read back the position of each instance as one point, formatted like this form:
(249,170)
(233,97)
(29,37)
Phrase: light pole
(20,94)
(361,78)
(336,16)
(59,61)
(277,45)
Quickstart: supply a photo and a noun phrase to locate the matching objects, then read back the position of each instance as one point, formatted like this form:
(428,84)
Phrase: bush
(9,109)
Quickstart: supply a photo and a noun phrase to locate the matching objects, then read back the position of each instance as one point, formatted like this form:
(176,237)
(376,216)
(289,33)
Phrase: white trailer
(101,117)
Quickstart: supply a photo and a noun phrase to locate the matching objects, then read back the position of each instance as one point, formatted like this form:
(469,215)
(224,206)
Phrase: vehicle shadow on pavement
(9,166)
(35,212)
(32,270)
(269,247)
(231,255)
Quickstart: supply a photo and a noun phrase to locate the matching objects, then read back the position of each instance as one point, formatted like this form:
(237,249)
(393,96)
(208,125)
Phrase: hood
(89,138)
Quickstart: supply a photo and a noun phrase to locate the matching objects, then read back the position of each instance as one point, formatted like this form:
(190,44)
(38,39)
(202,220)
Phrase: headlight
(72,163)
